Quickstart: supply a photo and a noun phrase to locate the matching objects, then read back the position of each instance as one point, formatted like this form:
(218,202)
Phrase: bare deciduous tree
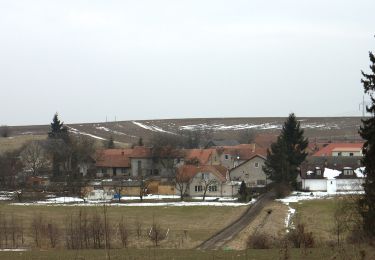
(123,232)
(207,182)
(182,182)
(156,234)
(34,157)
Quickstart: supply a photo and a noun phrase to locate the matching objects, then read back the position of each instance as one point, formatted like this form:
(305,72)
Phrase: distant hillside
(316,128)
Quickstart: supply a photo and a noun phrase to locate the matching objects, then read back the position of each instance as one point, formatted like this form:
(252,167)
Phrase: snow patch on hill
(76,131)
(152,128)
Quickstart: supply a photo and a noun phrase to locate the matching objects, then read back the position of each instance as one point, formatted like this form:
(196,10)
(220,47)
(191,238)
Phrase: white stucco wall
(314,184)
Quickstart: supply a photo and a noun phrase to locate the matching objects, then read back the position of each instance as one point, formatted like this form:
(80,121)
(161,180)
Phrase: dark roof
(331,162)
(222,142)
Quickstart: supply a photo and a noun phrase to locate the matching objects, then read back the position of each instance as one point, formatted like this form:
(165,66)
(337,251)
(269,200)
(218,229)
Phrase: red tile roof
(202,155)
(243,151)
(327,150)
(113,158)
(191,170)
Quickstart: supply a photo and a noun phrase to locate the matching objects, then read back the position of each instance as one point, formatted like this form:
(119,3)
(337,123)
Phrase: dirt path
(225,235)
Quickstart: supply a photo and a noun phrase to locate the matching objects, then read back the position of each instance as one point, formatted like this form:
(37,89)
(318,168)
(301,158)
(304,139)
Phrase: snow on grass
(222,127)
(76,131)
(7,195)
(72,201)
(288,219)
(297,196)
(264,126)
(152,128)
(106,129)
(301,196)
(13,250)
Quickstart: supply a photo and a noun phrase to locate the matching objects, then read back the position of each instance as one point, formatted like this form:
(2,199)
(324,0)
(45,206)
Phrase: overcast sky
(177,59)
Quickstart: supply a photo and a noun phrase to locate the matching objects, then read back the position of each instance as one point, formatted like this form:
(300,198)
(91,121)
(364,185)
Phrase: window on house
(348,171)
(123,170)
(226,157)
(204,176)
(351,154)
(256,165)
(198,188)
(261,182)
(318,172)
(247,175)
(155,172)
(212,188)
(103,170)
(339,153)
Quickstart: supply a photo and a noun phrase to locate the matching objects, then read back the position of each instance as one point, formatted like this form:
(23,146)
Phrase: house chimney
(253,147)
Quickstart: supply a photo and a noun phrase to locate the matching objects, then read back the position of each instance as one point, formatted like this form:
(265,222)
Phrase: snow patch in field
(112,131)
(13,250)
(298,196)
(152,128)
(76,131)
(62,200)
(6,195)
(264,126)
(288,219)
(71,201)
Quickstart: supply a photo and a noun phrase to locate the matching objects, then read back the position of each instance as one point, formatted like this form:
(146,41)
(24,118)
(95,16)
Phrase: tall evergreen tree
(58,140)
(367,132)
(58,130)
(287,153)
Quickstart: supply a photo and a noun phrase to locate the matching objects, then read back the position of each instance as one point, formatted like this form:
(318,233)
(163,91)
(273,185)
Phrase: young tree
(206,182)
(34,157)
(367,132)
(287,154)
(182,183)
(243,191)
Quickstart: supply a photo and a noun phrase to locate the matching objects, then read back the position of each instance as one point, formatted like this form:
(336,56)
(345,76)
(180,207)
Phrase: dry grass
(16,142)
(189,226)
(271,224)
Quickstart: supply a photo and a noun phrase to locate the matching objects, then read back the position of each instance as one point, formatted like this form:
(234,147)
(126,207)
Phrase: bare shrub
(281,189)
(123,232)
(299,237)
(5,131)
(53,233)
(138,228)
(156,233)
(97,230)
(259,241)
(38,229)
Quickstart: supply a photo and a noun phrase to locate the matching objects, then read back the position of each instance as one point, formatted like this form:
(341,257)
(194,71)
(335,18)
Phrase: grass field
(15,142)
(318,216)
(189,226)
(350,252)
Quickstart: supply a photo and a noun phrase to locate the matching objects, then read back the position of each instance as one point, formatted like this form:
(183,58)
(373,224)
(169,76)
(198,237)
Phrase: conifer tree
(287,153)
(110,143)
(367,132)
(58,140)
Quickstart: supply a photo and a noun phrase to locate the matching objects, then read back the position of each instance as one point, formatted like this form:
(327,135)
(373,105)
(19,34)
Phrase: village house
(232,156)
(341,149)
(144,161)
(212,178)
(331,174)
(251,172)
(201,157)
(113,163)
